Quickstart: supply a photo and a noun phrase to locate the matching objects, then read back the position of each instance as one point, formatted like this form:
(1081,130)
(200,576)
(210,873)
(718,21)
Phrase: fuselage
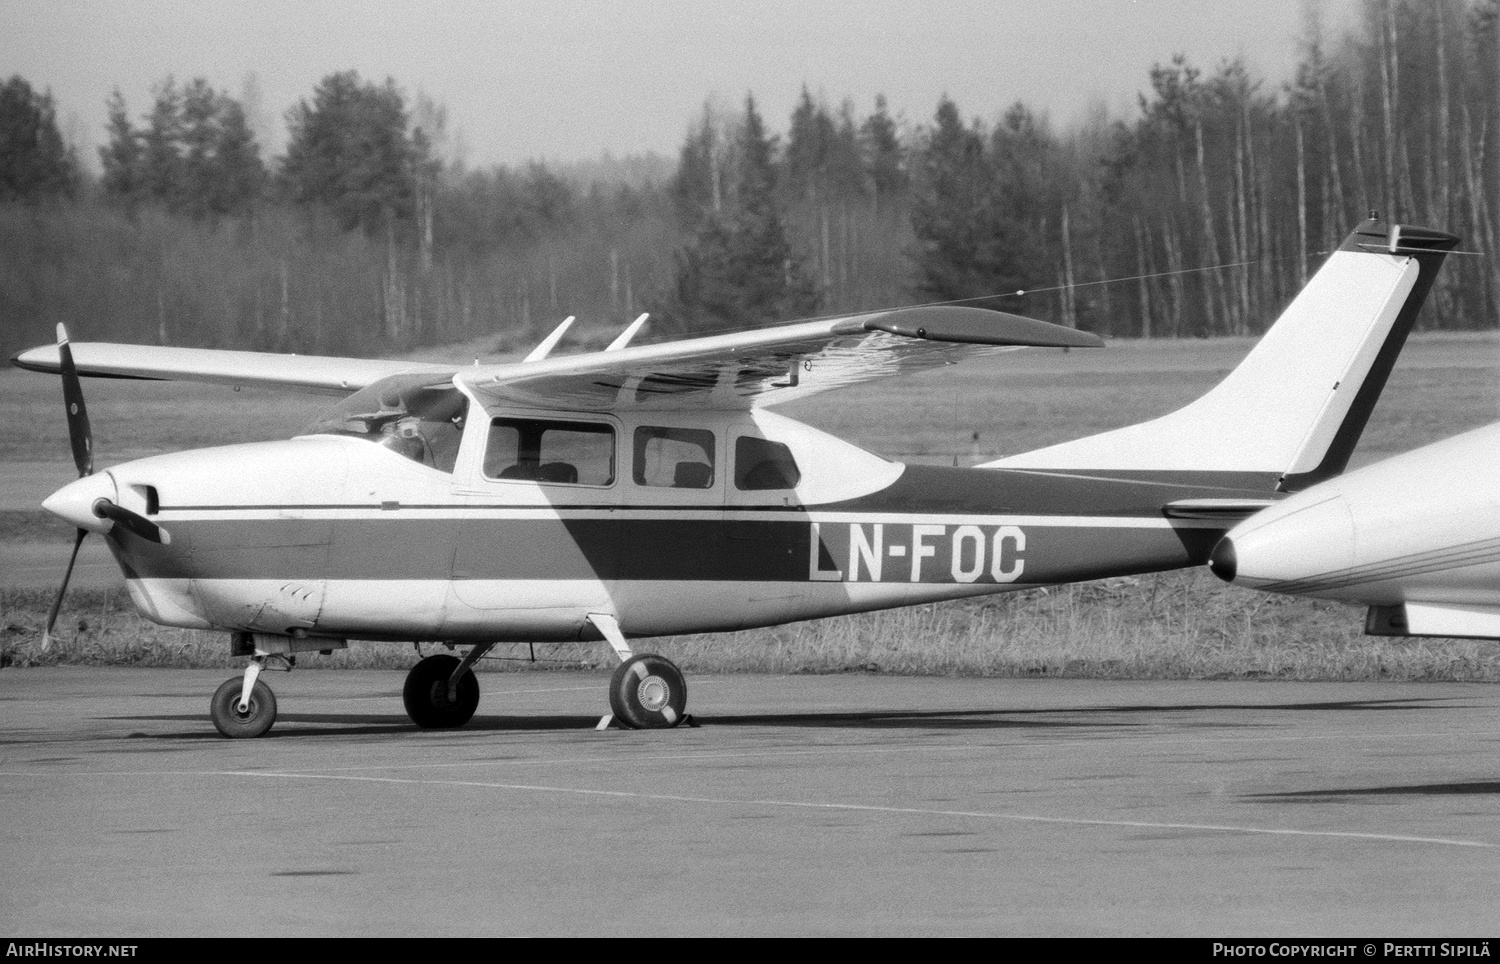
(516,525)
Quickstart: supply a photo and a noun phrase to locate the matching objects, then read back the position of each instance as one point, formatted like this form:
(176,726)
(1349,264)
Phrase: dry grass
(1168,626)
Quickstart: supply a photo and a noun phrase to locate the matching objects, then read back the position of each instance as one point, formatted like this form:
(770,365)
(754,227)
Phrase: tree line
(1199,215)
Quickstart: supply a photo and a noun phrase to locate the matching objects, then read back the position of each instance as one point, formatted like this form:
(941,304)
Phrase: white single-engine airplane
(1416,538)
(649,490)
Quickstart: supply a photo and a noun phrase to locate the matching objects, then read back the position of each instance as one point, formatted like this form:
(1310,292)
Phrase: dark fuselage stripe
(929,550)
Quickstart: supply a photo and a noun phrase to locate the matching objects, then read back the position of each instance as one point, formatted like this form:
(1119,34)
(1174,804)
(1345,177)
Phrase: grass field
(1164,626)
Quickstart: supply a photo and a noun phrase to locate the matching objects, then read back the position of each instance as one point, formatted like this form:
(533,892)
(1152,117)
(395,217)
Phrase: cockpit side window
(407,414)
(677,458)
(552,452)
(760,464)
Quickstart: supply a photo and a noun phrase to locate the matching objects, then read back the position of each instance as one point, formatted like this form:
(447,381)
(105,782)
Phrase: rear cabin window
(760,464)
(558,453)
(674,458)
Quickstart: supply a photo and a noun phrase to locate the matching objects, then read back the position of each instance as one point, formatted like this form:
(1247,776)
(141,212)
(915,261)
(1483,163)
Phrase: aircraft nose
(1223,562)
(1308,542)
(74,502)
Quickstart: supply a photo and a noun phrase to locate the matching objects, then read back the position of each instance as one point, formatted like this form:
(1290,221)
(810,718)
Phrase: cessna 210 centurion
(649,490)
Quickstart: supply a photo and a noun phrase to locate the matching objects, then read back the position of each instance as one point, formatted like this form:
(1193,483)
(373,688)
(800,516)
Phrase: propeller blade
(62,591)
(132,522)
(78,413)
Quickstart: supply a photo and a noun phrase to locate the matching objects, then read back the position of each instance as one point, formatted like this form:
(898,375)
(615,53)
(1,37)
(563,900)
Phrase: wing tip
(980,326)
(36,360)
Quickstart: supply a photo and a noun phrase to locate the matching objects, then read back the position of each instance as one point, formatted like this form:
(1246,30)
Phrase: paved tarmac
(836,805)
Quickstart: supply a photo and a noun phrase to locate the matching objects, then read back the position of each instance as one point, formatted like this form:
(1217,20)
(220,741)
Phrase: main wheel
(255,721)
(426,694)
(648,692)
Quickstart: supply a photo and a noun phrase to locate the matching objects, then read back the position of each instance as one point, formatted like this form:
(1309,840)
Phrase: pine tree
(773,285)
(884,162)
(740,270)
(121,157)
(952,211)
(349,152)
(200,134)
(161,145)
(241,175)
(1027,200)
(34,162)
(808,151)
(698,186)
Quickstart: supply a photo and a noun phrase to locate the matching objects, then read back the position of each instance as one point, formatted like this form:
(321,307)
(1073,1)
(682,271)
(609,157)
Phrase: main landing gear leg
(646,691)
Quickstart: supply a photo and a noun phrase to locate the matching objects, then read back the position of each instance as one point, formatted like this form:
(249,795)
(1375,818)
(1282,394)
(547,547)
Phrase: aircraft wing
(311,373)
(770,365)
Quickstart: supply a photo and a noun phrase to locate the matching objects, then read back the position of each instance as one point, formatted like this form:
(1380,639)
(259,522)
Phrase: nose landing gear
(237,718)
(244,707)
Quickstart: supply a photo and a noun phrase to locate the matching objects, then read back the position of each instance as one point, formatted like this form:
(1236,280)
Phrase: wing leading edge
(769,365)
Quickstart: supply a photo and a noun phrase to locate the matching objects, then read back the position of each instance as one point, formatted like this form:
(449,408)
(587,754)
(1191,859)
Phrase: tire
(426,694)
(648,692)
(225,709)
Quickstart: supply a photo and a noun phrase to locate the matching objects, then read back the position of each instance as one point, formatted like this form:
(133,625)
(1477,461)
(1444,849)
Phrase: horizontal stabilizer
(1221,510)
(1451,620)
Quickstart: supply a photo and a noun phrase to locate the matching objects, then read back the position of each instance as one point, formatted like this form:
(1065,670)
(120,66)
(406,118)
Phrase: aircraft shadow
(1088,716)
(1467,788)
(358,724)
(1038,718)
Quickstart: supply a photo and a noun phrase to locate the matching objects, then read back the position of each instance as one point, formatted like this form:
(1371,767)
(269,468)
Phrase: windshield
(415,416)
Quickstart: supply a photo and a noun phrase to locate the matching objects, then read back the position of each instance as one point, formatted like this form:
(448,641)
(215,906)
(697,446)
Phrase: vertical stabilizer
(1290,414)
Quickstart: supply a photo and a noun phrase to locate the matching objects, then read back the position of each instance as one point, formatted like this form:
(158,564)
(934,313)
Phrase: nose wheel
(242,718)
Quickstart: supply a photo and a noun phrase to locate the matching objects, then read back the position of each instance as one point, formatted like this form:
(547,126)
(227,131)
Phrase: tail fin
(1290,414)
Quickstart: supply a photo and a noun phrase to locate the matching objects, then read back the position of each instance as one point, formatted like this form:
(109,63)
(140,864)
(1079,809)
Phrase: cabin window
(676,458)
(760,464)
(556,453)
(406,414)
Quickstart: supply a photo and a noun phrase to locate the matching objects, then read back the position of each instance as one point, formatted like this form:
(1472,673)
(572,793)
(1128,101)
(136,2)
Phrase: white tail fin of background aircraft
(1291,412)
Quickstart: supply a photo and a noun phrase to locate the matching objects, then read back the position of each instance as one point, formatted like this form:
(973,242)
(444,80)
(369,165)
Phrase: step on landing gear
(646,692)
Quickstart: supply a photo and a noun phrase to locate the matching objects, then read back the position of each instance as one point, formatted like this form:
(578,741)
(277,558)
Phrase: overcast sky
(570,80)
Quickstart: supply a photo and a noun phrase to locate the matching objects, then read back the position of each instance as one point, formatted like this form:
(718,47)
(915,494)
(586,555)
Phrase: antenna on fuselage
(624,337)
(550,342)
